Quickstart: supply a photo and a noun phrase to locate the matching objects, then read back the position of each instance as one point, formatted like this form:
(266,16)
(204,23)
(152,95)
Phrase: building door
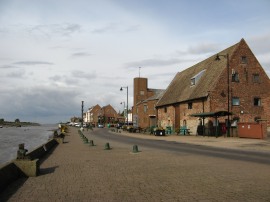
(153,121)
(177,116)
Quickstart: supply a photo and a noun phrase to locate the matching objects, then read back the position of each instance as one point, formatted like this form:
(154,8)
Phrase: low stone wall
(40,151)
(8,174)
(11,172)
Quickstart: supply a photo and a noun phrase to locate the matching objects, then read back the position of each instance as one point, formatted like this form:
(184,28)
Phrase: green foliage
(17,120)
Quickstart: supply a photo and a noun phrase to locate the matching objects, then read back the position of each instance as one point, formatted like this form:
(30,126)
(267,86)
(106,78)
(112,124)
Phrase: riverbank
(6,124)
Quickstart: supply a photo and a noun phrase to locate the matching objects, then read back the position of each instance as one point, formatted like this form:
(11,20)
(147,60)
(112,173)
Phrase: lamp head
(121,89)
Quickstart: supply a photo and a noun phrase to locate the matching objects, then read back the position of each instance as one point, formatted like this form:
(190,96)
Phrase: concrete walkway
(78,172)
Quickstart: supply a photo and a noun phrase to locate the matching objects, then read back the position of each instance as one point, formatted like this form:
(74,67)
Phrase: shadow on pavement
(12,188)
(45,171)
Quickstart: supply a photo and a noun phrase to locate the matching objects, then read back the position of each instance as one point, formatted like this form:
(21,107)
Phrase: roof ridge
(181,81)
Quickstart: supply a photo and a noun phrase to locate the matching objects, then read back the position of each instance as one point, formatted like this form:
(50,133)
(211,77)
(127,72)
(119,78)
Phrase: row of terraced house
(102,115)
(227,88)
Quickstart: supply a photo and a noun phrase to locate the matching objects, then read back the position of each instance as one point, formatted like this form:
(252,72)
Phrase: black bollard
(91,143)
(107,146)
(135,149)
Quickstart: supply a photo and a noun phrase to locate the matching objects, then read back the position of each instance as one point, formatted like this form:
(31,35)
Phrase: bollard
(21,153)
(85,140)
(135,149)
(107,146)
(91,143)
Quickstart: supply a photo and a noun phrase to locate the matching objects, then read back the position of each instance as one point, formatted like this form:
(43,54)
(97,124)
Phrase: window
(190,105)
(256,78)
(257,101)
(145,108)
(165,109)
(235,101)
(196,78)
(244,60)
(192,83)
(235,77)
(141,92)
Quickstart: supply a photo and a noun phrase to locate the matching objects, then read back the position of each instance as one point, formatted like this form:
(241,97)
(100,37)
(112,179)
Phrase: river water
(32,137)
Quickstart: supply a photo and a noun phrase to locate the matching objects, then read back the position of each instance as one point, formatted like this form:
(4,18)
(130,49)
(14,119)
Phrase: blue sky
(56,53)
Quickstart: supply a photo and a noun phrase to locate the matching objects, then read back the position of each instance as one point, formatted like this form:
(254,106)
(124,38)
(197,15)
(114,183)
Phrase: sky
(56,53)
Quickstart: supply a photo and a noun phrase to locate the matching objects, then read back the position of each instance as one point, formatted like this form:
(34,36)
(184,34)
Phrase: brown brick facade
(249,94)
(144,111)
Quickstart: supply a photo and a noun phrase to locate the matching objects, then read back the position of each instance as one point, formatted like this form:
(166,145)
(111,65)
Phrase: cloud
(80,54)
(31,63)
(132,28)
(42,103)
(49,30)
(63,80)
(85,75)
(18,74)
(203,48)
(8,67)
(260,43)
(106,28)
(156,62)
(115,27)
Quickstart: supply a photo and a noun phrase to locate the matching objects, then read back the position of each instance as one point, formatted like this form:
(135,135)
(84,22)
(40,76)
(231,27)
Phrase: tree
(17,120)
(2,121)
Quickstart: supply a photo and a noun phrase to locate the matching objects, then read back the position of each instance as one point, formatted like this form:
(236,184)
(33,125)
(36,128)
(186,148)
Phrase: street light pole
(124,108)
(127,101)
(228,91)
(82,115)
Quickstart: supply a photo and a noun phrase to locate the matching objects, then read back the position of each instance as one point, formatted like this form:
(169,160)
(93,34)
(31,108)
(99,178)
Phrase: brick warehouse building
(205,87)
(144,110)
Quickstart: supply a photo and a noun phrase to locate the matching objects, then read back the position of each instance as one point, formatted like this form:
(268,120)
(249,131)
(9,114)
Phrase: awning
(212,114)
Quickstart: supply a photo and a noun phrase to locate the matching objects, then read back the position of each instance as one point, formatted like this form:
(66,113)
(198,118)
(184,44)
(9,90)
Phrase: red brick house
(145,99)
(92,115)
(107,115)
(236,82)
(103,115)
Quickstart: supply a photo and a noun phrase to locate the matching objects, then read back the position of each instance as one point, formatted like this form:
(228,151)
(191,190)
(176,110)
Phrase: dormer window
(194,80)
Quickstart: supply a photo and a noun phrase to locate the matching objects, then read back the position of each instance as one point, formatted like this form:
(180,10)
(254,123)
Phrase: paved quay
(77,172)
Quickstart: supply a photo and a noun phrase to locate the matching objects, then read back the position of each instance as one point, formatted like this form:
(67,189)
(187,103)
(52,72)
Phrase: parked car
(100,125)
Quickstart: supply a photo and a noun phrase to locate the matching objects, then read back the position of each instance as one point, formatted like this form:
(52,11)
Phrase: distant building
(92,115)
(108,115)
(205,87)
(144,112)
(103,115)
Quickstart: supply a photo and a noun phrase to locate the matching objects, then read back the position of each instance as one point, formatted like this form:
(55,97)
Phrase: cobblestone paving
(77,172)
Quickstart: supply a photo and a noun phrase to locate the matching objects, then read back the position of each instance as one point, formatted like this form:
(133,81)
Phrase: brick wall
(244,63)
(147,114)
(246,89)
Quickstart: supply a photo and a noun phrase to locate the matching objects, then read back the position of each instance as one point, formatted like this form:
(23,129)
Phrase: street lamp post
(124,108)
(228,90)
(127,101)
(82,115)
